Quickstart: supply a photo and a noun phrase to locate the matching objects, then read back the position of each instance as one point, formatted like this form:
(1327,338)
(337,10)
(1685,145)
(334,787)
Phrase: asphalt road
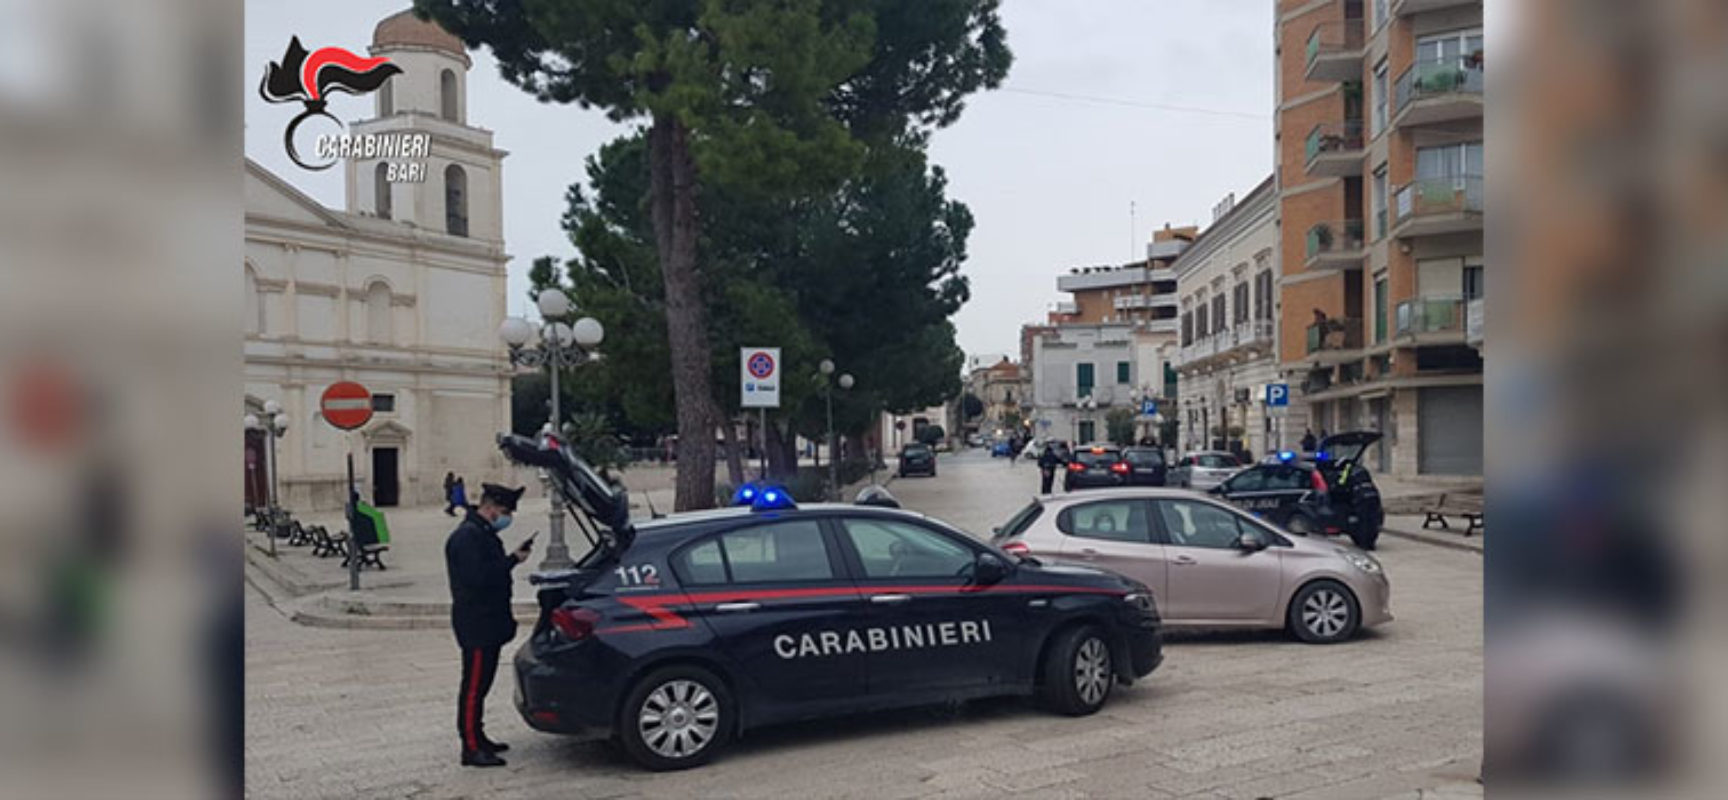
(1395,713)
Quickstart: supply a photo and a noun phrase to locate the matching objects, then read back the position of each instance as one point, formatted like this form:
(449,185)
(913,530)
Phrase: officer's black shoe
(496,747)
(481,758)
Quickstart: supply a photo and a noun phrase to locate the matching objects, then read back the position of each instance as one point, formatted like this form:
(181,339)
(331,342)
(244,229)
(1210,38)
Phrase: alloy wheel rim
(678,719)
(1325,613)
(1092,671)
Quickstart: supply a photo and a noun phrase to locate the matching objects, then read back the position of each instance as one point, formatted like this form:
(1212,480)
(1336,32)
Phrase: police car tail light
(574,624)
(1016,548)
(1319,481)
(1120,466)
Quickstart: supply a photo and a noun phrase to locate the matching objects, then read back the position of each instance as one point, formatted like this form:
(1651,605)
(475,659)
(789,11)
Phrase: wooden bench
(1468,506)
(325,544)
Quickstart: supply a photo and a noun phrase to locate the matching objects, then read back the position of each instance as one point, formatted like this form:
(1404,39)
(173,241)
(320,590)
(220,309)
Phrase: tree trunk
(773,445)
(734,459)
(672,174)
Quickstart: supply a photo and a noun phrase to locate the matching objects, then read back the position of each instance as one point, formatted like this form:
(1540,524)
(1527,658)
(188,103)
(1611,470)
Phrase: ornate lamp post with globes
(274,424)
(560,345)
(845,382)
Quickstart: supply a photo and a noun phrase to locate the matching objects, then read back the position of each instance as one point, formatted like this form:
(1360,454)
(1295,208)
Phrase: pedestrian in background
(1308,443)
(480,581)
(1048,462)
(458,495)
(450,493)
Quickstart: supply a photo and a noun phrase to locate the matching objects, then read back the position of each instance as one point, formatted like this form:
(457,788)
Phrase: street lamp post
(845,381)
(560,345)
(274,424)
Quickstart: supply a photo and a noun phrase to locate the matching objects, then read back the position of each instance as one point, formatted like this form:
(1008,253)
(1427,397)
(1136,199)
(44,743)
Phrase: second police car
(678,634)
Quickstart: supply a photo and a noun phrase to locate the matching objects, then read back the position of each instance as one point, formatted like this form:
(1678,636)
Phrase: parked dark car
(917,459)
(1094,466)
(1327,492)
(1146,466)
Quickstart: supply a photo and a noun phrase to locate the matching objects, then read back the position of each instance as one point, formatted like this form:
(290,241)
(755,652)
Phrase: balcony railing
(1444,204)
(1335,139)
(1335,50)
(1427,315)
(1335,334)
(1457,78)
(1341,238)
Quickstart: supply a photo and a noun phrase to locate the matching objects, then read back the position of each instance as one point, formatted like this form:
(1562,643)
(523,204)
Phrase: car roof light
(1286,455)
(745,495)
(773,498)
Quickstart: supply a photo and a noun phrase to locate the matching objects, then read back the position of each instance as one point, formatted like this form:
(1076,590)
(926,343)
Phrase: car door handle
(1184,560)
(731,608)
(890,599)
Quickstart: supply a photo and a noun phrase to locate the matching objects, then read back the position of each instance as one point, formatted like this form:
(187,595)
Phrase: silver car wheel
(1092,670)
(1325,613)
(678,719)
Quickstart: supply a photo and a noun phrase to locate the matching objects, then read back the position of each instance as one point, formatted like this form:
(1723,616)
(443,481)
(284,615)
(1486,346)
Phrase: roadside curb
(1437,541)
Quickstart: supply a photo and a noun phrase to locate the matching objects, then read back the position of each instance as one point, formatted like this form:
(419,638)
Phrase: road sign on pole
(759,377)
(348,405)
(1148,407)
(1277,394)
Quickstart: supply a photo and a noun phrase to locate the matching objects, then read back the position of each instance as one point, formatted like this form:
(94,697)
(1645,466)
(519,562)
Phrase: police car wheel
(1078,672)
(676,718)
(1324,612)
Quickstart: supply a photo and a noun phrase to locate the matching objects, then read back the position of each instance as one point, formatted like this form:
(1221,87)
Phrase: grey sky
(1048,178)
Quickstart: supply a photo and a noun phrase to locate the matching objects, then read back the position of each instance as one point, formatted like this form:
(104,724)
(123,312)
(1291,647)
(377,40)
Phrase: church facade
(402,291)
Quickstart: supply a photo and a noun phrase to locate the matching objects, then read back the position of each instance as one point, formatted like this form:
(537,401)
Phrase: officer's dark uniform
(480,580)
(1048,462)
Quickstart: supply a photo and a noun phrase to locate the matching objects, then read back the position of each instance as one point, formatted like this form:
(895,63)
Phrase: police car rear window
(785,551)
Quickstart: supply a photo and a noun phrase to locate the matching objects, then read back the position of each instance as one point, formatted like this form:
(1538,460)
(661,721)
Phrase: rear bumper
(1077,480)
(562,697)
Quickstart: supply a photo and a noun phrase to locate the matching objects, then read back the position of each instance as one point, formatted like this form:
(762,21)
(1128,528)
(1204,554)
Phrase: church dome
(404,29)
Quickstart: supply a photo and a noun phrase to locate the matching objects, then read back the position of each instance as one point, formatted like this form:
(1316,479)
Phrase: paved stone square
(1395,713)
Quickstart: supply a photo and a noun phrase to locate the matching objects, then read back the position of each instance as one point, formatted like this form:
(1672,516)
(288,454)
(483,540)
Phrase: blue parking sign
(1277,394)
(1148,408)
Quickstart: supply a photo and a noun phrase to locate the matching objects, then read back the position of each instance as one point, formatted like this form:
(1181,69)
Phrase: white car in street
(1203,469)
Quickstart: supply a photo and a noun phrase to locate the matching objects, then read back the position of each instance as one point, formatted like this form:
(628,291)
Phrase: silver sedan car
(1203,469)
(1209,564)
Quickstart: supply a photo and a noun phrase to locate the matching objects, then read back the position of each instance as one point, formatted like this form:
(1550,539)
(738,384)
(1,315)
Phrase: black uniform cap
(501,495)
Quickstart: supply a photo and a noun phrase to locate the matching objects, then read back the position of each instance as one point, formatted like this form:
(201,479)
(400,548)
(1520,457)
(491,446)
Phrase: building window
(1380,309)
(455,200)
(1242,307)
(1379,201)
(386,100)
(1380,15)
(1083,380)
(1200,327)
(254,304)
(1122,373)
(1218,323)
(1263,309)
(384,403)
(1380,99)
(1472,281)
(381,188)
(378,327)
(447,96)
(1187,328)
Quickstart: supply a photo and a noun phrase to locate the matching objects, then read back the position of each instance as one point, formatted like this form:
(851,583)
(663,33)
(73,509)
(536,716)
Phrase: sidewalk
(413,590)
(1409,526)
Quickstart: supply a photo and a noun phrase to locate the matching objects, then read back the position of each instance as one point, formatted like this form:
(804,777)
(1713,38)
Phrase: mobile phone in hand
(528,543)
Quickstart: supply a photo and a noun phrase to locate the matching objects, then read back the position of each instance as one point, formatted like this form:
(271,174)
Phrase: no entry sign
(346,405)
(759,378)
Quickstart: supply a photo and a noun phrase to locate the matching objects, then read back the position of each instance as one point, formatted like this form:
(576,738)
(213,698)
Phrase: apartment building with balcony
(1379,154)
(1226,287)
(1139,291)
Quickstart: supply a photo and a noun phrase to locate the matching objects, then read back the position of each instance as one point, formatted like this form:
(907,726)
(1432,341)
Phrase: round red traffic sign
(761,365)
(346,405)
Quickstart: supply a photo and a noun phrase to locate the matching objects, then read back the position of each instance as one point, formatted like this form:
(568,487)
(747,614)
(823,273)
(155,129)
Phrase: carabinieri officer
(480,611)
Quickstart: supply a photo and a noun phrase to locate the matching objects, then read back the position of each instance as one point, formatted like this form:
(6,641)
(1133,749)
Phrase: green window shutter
(1122,372)
(1083,380)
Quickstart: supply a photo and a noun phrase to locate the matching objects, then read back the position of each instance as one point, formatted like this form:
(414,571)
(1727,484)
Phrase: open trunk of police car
(599,508)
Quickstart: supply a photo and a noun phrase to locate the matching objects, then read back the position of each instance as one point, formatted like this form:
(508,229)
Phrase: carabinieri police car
(680,633)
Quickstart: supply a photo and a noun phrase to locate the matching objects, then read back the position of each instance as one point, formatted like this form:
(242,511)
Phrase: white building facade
(1226,281)
(403,291)
(1082,371)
